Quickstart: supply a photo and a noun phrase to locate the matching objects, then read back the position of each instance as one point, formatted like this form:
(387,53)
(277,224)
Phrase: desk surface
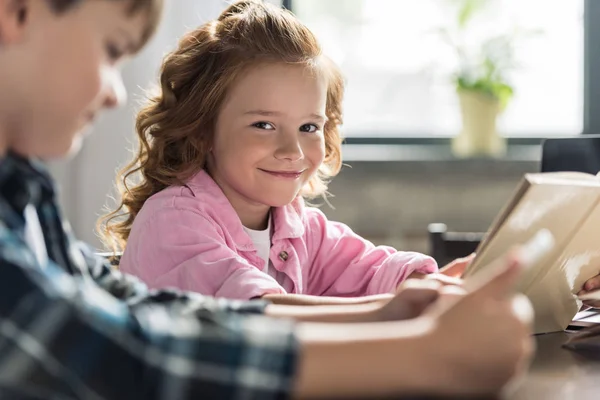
(557,373)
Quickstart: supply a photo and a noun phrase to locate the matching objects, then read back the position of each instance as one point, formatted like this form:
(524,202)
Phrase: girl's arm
(183,249)
(350,313)
(346,265)
(414,297)
(308,300)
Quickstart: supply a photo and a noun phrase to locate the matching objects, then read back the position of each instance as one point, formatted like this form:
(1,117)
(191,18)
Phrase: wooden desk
(555,374)
(558,373)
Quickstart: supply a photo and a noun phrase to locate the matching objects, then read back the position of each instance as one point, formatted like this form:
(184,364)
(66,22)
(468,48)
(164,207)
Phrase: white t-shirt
(262,242)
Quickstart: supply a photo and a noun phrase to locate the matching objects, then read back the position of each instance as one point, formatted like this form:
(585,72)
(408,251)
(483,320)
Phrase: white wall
(86,180)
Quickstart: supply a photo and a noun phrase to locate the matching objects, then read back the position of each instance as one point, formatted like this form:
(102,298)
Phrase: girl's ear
(13,18)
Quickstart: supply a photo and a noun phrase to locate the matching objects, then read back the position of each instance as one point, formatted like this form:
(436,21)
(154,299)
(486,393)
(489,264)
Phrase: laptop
(577,153)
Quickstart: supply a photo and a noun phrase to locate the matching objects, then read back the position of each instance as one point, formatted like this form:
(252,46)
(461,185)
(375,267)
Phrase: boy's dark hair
(62,5)
(153,9)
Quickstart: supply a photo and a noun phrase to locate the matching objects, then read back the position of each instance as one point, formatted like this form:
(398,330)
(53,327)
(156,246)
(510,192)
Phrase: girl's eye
(113,52)
(264,125)
(309,128)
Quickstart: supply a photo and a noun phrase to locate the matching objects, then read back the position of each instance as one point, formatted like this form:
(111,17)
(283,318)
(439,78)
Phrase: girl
(246,125)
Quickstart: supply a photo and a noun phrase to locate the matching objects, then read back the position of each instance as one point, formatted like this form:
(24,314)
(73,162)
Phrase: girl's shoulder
(309,214)
(193,197)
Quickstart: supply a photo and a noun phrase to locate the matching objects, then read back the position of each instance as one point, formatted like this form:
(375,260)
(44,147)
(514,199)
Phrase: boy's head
(59,67)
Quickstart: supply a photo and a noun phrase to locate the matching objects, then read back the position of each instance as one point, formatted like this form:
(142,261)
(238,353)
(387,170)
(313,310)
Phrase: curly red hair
(175,128)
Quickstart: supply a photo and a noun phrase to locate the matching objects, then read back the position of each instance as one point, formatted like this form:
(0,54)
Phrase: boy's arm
(130,289)
(369,360)
(69,337)
(65,336)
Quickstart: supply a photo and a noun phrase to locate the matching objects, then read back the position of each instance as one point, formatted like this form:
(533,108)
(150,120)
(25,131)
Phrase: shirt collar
(287,220)
(23,181)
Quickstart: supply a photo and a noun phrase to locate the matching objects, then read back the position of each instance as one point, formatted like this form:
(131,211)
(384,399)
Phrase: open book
(568,205)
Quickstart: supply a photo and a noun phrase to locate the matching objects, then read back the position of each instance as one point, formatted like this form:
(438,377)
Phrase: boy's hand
(484,338)
(414,296)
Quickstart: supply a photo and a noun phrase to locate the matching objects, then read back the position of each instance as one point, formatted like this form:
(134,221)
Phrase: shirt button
(283,256)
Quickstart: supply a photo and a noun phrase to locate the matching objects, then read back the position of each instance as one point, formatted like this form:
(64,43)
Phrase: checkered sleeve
(132,290)
(66,337)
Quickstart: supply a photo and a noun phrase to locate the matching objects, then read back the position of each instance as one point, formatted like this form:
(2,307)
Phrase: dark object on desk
(585,342)
(578,154)
(446,246)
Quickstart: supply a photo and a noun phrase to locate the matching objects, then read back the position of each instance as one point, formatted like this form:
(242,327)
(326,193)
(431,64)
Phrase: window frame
(591,92)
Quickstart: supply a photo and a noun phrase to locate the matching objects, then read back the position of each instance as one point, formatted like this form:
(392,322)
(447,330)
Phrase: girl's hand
(442,279)
(591,285)
(449,274)
(457,267)
(483,339)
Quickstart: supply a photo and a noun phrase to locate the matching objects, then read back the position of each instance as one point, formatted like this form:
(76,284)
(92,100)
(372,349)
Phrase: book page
(570,176)
(504,213)
(554,178)
(568,205)
(553,293)
(560,208)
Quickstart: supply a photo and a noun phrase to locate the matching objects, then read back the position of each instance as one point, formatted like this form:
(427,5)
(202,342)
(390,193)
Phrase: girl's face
(269,136)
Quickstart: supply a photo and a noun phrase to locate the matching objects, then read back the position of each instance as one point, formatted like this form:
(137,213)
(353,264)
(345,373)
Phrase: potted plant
(481,81)
(483,93)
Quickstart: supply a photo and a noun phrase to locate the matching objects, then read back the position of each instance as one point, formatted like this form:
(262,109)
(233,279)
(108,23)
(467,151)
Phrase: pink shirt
(190,237)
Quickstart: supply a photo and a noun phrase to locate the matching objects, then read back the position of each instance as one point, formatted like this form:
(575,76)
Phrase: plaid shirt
(75,329)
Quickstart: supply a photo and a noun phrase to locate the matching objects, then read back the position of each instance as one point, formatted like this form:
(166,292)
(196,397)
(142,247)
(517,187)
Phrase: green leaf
(498,90)
(467,10)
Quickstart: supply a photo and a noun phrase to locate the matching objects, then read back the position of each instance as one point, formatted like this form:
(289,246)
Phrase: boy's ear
(13,16)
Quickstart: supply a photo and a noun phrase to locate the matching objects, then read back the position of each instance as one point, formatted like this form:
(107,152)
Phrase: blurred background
(404,61)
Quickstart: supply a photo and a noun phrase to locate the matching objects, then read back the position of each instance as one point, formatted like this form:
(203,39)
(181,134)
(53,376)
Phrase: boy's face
(57,72)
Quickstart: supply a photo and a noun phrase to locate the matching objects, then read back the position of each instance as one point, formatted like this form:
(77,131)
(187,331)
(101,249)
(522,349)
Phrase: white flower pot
(479,137)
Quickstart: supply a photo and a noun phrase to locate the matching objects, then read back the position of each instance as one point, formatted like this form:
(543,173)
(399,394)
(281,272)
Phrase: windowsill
(431,152)
(526,150)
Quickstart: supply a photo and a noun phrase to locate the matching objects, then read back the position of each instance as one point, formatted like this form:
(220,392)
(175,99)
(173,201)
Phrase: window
(399,69)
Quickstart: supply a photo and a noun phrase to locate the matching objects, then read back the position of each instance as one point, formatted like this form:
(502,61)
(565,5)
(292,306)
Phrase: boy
(72,328)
